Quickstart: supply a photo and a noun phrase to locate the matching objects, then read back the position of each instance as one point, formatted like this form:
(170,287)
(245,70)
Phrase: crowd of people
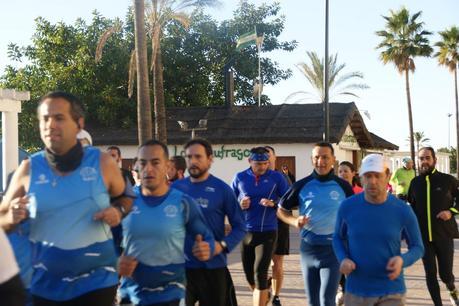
(78,229)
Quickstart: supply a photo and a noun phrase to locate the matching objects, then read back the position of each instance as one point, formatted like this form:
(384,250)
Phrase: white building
(292,129)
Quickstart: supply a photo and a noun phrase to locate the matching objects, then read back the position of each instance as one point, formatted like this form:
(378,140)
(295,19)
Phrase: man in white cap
(402,177)
(367,240)
(84,138)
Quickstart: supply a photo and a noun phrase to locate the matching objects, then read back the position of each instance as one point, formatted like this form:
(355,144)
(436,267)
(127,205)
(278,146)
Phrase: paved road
(293,292)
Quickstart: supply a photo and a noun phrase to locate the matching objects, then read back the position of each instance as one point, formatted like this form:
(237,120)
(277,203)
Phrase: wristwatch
(122,210)
(224,246)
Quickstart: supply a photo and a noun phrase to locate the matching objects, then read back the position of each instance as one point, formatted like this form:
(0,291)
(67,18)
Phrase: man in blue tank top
(153,263)
(318,197)
(210,282)
(65,191)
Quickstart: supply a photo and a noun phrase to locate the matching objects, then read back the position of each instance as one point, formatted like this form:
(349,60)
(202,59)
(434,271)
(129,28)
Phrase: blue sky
(352,27)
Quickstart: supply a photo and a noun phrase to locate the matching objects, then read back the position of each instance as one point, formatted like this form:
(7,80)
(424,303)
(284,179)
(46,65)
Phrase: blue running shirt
(272,185)
(216,200)
(319,198)
(370,234)
(154,233)
(72,253)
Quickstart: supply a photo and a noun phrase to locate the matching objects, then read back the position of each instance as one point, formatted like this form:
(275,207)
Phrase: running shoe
(453,297)
(276,301)
(339,300)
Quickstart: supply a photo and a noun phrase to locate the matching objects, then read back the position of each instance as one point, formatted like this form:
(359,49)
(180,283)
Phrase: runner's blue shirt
(318,197)
(271,185)
(72,254)
(154,233)
(370,234)
(216,200)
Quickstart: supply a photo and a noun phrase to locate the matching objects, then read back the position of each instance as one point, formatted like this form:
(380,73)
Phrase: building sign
(219,153)
(349,142)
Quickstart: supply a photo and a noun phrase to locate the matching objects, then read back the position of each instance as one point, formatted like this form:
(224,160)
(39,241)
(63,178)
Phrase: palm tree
(403,40)
(314,73)
(420,140)
(159,14)
(137,65)
(162,12)
(140,57)
(448,55)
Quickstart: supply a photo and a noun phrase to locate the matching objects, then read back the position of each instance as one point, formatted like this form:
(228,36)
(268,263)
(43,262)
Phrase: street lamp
(325,106)
(202,126)
(449,129)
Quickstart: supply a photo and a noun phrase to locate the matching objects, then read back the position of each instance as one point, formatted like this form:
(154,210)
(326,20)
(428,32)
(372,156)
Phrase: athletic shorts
(283,238)
(211,287)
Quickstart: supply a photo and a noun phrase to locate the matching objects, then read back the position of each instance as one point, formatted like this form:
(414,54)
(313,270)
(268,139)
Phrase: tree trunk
(144,121)
(410,118)
(457,121)
(159,104)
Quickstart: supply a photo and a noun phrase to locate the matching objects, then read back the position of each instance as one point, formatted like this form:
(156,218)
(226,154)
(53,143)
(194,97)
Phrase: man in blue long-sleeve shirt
(210,282)
(367,240)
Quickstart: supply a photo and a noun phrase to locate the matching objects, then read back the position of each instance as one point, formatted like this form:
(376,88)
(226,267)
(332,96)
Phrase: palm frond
(103,40)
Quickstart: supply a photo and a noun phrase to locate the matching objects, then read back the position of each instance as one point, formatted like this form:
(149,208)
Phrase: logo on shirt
(307,202)
(42,180)
(334,195)
(204,203)
(209,189)
(170,211)
(88,174)
(265,181)
(135,210)
(310,195)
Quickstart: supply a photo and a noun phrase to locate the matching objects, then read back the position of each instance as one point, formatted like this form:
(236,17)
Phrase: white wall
(230,159)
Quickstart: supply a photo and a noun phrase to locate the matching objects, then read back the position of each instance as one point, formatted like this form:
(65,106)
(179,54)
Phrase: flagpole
(259,66)
(259,75)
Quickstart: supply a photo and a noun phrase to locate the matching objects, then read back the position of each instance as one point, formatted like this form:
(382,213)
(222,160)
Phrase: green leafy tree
(163,12)
(61,57)
(314,73)
(194,58)
(402,40)
(448,56)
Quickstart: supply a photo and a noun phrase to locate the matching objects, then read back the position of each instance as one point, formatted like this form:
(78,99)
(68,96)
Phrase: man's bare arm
(12,208)
(116,185)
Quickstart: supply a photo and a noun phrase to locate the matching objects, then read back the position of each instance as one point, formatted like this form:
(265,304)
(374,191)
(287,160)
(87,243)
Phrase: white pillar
(10,106)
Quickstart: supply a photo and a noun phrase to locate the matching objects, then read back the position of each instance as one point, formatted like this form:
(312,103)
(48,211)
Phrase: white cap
(83,134)
(372,163)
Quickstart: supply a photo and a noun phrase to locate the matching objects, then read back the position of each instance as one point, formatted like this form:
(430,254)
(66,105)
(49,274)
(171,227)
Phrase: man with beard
(433,196)
(210,282)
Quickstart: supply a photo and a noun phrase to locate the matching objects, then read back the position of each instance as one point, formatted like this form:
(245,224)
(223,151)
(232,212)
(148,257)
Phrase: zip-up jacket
(318,197)
(271,185)
(430,194)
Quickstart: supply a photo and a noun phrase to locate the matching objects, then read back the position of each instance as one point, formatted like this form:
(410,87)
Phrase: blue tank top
(72,253)
(154,233)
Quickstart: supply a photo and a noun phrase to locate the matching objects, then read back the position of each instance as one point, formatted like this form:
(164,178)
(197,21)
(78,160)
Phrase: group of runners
(174,232)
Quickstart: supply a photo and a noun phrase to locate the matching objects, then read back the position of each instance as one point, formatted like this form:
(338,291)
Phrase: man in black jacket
(433,196)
